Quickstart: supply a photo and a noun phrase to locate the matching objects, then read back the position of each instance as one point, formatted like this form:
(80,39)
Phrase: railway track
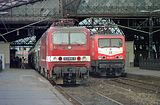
(103,91)
(126,94)
(69,97)
(77,95)
(149,87)
(101,94)
(89,96)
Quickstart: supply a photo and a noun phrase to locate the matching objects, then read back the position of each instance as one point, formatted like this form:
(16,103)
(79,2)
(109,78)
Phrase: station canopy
(6,4)
(104,26)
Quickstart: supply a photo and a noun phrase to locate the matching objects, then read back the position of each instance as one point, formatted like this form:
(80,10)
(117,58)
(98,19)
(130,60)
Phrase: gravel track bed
(97,89)
(88,96)
(128,95)
(141,85)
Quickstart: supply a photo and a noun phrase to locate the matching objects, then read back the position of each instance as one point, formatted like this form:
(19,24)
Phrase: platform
(142,72)
(27,87)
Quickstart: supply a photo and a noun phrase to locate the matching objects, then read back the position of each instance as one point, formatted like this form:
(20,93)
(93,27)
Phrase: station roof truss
(101,26)
(28,41)
(7,4)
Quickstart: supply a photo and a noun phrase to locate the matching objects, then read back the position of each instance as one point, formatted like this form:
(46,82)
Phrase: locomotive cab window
(77,38)
(114,42)
(60,38)
(103,42)
(69,38)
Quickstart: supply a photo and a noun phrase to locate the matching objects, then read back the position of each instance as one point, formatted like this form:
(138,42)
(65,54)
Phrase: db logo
(110,52)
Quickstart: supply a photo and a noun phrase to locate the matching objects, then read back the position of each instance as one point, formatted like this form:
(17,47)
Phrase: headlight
(101,57)
(84,58)
(119,57)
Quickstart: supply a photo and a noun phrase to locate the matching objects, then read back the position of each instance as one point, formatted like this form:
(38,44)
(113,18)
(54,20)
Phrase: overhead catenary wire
(138,30)
(133,29)
(42,20)
(155,31)
(3,38)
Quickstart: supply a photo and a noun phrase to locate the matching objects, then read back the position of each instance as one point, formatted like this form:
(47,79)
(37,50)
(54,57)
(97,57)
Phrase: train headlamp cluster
(67,58)
(60,58)
(78,58)
(84,58)
(110,57)
(119,57)
(101,57)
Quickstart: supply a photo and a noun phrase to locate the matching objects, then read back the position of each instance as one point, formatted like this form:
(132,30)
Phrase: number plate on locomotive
(69,58)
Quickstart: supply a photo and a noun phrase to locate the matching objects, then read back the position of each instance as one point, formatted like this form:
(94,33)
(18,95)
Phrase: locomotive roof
(68,28)
(65,27)
(108,34)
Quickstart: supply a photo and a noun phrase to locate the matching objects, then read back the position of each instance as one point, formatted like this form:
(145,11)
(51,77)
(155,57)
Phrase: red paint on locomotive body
(108,54)
(65,51)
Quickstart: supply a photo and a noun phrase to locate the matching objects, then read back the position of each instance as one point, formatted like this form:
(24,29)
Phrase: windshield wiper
(104,46)
(116,46)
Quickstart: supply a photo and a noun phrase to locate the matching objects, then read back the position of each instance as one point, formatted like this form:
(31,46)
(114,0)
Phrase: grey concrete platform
(142,72)
(27,87)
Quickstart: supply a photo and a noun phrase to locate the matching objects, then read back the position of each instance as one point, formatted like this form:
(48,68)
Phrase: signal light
(78,58)
(60,58)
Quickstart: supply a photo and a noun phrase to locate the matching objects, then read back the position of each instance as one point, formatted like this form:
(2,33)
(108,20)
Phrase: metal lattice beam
(101,26)
(117,8)
(7,4)
(29,41)
(70,6)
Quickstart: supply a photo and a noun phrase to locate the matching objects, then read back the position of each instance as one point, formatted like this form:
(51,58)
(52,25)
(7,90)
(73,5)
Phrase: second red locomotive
(108,54)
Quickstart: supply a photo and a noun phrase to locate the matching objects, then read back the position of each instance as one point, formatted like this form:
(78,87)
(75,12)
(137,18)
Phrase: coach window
(77,38)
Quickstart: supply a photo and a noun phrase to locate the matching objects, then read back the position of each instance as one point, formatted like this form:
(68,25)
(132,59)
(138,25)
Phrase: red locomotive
(107,54)
(64,54)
